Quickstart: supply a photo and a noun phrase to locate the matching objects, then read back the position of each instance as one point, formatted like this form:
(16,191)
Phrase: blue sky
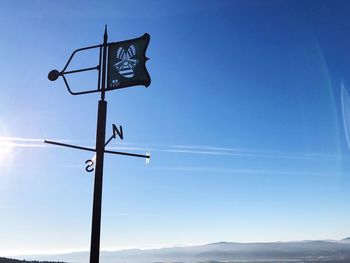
(243,120)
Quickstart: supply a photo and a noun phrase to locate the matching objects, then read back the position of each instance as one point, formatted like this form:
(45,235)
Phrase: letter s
(90,166)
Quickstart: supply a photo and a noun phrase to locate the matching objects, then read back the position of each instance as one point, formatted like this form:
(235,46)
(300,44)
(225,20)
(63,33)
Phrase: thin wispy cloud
(224,151)
(248,152)
(12,139)
(180,149)
(27,145)
(243,171)
(18,142)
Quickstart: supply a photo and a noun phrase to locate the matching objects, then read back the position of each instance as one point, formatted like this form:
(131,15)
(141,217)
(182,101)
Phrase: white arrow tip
(148,154)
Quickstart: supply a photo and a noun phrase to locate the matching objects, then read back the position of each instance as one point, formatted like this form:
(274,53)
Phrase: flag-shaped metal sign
(126,63)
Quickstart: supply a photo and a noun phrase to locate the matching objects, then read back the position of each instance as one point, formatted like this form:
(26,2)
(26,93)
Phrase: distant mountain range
(11,260)
(300,251)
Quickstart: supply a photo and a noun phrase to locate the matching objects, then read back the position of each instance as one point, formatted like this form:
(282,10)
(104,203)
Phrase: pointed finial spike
(105,35)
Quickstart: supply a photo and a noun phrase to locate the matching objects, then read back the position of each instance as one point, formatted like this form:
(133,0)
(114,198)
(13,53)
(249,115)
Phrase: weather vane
(124,67)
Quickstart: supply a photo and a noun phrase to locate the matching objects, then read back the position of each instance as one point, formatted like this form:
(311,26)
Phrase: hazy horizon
(60,252)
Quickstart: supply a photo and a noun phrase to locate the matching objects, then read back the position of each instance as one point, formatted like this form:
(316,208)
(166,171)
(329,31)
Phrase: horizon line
(155,247)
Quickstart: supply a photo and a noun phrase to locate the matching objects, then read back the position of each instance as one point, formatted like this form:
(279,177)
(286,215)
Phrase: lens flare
(6,148)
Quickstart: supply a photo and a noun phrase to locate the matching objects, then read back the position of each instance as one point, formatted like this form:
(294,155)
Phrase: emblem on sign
(127,63)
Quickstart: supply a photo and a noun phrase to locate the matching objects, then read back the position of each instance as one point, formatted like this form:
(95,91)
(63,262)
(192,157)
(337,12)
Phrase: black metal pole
(100,149)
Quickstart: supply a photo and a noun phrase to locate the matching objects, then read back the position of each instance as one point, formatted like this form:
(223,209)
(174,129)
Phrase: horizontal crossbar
(93,150)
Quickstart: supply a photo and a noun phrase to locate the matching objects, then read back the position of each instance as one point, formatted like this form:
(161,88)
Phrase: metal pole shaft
(97,202)
(100,149)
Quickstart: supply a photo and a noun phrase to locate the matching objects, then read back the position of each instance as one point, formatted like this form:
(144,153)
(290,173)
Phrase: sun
(7,154)
(6,149)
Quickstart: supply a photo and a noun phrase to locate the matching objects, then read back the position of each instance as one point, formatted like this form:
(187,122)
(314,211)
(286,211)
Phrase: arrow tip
(148,157)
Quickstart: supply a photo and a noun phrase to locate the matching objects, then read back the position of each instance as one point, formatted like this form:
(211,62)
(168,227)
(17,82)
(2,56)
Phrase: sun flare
(6,149)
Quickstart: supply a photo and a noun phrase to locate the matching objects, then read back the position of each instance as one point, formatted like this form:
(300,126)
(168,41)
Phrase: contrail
(22,142)
(244,171)
(4,138)
(345,105)
(181,149)
(213,150)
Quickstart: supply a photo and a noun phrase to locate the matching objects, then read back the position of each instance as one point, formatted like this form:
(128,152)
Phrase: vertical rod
(104,64)
(100,149)
(99,70)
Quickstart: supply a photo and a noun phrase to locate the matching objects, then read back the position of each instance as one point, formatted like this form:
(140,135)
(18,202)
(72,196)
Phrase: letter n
(118,132)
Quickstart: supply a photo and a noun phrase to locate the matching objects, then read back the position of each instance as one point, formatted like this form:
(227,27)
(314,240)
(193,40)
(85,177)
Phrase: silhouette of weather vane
(124,67)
